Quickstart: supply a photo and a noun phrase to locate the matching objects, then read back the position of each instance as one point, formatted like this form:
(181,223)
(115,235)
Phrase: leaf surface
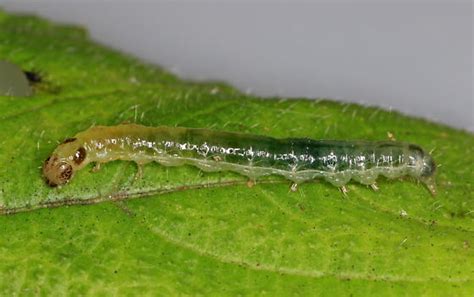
(179,231)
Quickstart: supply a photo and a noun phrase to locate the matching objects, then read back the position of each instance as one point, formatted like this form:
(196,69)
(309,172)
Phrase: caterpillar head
(68,157)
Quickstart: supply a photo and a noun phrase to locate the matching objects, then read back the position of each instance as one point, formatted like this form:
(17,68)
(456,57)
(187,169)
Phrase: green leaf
(194,233)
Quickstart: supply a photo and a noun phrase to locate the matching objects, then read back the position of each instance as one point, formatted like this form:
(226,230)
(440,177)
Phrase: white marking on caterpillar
(297,159)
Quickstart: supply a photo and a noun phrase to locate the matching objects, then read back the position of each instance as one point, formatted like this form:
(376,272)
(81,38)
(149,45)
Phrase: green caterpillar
(297,159)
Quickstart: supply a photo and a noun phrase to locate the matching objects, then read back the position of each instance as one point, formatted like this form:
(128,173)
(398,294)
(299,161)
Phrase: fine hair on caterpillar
(297,159)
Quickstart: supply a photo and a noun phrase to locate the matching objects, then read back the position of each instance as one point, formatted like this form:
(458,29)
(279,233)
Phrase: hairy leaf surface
(179,231)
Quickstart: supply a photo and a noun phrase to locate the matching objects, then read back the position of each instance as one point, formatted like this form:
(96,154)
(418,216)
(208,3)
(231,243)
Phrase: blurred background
(412,56)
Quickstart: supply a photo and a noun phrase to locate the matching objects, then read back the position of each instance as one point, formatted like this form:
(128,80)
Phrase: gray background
(412,56)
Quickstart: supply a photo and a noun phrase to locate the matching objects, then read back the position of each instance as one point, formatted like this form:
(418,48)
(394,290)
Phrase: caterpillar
(297,159)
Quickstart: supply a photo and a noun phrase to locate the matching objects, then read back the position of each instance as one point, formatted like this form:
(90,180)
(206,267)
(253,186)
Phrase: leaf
(195,233)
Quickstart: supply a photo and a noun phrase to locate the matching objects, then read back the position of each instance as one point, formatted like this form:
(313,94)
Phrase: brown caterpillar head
(68,157)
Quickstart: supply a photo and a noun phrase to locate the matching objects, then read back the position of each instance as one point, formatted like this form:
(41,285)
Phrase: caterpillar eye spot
(79,156)
(67,140)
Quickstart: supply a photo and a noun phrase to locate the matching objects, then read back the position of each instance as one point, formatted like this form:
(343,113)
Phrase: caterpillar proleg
(297,159)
